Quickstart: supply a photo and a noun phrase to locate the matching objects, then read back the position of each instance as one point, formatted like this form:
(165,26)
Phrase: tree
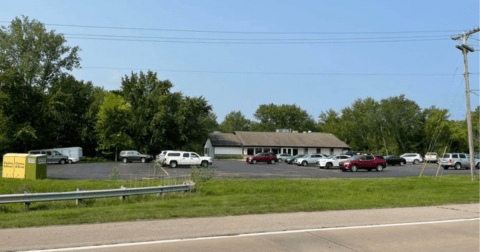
(272,117)
(31,60)
(235,121)
(112,123)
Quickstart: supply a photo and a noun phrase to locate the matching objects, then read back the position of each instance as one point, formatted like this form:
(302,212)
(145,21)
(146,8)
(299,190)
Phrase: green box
(36,167)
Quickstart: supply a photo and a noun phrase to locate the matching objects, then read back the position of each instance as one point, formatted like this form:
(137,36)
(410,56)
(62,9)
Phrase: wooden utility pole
(465,49)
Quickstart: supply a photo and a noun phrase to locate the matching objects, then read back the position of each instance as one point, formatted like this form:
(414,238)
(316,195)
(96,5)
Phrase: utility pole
(465,49)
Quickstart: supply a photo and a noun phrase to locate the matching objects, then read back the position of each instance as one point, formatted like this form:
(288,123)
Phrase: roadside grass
(234,197)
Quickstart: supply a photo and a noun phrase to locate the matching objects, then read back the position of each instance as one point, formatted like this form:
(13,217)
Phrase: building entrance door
(287,150)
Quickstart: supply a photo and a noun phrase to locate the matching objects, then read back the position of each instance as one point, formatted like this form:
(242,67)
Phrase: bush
(198,174)
(95,159)
(228,157)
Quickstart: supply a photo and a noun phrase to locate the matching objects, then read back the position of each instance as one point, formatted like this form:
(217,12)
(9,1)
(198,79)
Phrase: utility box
(8,165)
(20,162)
(36,167)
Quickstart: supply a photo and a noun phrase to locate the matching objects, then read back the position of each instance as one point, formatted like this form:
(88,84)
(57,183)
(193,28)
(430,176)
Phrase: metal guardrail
(79,195)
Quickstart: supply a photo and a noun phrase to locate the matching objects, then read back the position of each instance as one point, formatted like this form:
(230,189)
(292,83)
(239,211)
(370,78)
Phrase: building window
(206,151)
(266,149)
(306,151)
(331,151)
(258,150)
(295,152)
(250,151)
(319,150)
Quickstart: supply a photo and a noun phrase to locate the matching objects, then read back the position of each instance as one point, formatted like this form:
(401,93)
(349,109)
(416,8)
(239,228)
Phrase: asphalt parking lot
(229,169)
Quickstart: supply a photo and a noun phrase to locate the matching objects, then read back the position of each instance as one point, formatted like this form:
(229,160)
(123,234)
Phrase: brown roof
(272,139)
(224,139)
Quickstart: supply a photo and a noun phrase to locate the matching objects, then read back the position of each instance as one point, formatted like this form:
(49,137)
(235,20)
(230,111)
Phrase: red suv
(368,162)
(268,157)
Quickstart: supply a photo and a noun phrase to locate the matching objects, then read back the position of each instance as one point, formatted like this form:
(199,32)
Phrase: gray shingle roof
(224,139)
(313,139)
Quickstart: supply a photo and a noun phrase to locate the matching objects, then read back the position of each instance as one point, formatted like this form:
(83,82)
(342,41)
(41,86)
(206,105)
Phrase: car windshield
(354,158)
(331,156)
(446,155)
(56,152)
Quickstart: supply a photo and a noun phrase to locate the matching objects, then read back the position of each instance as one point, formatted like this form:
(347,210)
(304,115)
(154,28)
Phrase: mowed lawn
(233,197)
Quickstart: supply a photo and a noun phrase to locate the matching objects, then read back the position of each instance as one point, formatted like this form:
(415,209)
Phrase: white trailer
(74,154)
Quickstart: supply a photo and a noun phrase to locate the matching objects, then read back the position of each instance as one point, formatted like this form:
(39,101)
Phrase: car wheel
(379,167)
(173,164)
(329,165)
(458,166)
(354,168)
(445,167)
(279,160)
(125,160)
(62,161)
(416,161)
(143,160)
(369,169)
(204,164)
(254,161)
(70,161)
(477,166)
(304,163)
(402,163)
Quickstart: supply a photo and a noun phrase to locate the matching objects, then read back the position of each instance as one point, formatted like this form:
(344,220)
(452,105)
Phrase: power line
(236,32)
(243,39)
(270,73)
(215,42)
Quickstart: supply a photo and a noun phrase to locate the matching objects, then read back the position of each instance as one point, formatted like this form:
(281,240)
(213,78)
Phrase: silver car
(310,159)
(455,160)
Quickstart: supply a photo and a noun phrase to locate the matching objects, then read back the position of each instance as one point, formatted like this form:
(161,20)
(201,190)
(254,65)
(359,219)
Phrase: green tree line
(43,106)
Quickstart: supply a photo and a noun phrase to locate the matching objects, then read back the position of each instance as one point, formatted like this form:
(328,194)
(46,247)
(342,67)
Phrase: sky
(238,55)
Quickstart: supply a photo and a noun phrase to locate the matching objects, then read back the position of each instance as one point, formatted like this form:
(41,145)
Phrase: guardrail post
(78,201)
(27,204)
(123,197)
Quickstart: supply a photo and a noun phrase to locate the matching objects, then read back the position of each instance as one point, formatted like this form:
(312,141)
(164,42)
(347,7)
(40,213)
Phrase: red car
(268,157)
(367,162)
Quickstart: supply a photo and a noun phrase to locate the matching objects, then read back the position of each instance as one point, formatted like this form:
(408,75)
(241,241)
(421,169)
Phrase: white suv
(176,158)
(414,158)
(332,161)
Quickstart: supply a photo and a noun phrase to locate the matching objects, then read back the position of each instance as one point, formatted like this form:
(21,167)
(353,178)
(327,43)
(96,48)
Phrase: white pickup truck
(176,158)
(332,161)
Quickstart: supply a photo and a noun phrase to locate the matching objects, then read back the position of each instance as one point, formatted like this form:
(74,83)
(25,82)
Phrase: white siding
(337,151)
(228,151)
(325,151)
(312,150)
(208,145)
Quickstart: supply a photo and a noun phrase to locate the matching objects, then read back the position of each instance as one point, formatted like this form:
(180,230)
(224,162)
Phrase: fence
(78,195)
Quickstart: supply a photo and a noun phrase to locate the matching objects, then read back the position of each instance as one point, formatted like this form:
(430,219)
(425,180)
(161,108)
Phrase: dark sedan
(393,160)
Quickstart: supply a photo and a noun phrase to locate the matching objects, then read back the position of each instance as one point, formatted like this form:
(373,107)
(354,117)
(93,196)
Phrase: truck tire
(125,160)
(204,164)
(62,161)
(173,164)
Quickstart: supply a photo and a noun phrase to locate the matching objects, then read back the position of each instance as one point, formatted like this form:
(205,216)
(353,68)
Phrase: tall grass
(234,197)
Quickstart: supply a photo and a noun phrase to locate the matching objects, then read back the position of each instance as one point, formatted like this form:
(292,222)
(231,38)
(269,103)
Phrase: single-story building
(243,143)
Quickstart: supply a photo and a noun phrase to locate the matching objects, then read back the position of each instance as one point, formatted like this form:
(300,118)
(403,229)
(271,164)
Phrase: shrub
(198,174)
(228,157)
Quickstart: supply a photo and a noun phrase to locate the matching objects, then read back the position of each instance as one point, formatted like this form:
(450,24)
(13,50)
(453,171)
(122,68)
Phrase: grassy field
(234,197)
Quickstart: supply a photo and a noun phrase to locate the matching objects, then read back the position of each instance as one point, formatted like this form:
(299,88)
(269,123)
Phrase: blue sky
(316,74)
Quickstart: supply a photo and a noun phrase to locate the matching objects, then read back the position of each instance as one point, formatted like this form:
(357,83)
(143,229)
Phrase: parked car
(180,158)
(414,158)
(161,156)
(332,161)
(393,160)
(128,156)
(368,162)
(456,160)
(431,157)
(53,157)
(268,157)
(291,160)
(309,159)
(74,154)
(283,156)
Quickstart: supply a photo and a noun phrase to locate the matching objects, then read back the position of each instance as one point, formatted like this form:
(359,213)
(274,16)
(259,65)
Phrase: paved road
(436,228)
(234,169)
